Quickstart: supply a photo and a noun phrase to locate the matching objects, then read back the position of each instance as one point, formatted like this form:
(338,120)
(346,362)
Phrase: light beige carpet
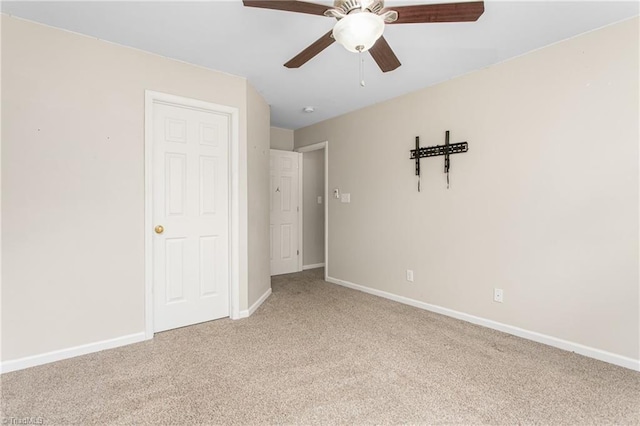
(318,353)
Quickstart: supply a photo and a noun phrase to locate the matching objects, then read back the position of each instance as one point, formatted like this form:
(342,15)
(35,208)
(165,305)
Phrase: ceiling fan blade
(445,12)
(318,46)
(384,56)
(289,6)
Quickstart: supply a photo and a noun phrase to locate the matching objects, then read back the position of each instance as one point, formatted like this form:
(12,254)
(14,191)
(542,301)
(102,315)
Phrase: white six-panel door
(191,204)
(284,211)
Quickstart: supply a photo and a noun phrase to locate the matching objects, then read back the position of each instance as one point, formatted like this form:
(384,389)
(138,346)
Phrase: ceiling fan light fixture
(358,32)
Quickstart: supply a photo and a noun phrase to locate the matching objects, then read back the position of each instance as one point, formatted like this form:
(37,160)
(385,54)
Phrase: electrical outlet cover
(409,275)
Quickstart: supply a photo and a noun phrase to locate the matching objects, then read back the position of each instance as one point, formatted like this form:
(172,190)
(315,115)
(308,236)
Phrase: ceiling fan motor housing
(346,6)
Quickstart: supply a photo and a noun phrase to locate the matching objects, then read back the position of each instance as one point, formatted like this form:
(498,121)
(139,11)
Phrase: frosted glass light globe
(358,32)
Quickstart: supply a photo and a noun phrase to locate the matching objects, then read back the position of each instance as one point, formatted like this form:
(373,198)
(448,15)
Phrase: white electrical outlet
(409,275)
(319,199)
(498,295)
(345,197)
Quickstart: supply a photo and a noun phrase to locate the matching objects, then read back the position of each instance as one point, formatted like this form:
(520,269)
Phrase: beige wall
(258,114)
(313,220)
(73,182)
(544,205)
(281,139)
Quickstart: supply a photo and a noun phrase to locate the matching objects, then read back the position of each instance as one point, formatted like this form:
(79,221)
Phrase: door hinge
(298,209)
(298,252)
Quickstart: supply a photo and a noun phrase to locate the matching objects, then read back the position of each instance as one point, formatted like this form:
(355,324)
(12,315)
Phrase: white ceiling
(254,43)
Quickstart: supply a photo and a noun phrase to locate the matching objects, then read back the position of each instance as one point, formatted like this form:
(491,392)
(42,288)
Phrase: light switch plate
(319,199)
(345,198)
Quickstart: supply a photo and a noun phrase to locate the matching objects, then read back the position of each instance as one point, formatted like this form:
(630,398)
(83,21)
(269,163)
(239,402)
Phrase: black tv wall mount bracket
(433,151)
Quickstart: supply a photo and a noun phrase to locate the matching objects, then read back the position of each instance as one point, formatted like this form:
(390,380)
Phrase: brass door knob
(159,229)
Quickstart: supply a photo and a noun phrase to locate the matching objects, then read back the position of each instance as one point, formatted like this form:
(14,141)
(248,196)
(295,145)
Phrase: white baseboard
(314,266)
(622,361)
(247,313)
(34,360)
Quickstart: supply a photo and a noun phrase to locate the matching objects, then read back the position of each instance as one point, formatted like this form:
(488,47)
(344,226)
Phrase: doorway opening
(314,223)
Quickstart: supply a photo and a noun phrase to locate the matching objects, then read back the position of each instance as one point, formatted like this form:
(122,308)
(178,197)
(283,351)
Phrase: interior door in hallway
(190,216)
(285,211)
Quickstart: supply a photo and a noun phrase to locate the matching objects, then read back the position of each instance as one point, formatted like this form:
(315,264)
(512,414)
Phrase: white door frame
(300,211)
(315,147)
(152,97)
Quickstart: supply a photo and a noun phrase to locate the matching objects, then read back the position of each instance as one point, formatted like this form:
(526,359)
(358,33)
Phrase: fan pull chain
(362,84)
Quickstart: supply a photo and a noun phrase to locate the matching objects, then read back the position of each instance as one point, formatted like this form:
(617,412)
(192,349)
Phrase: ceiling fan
(361,24)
